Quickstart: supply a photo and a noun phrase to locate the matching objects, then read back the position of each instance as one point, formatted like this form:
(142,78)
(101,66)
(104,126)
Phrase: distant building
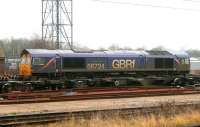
(195,65)
(2,57)
(2,61)
(12,64)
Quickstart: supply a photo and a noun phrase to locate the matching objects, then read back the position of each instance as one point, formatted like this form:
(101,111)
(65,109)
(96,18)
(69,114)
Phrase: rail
(100,93)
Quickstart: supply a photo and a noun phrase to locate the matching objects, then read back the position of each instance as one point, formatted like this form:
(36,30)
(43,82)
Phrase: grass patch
(167,115)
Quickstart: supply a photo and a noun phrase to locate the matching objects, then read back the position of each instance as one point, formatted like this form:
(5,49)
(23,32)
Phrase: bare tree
(158,48)
(114,47)
(194,52)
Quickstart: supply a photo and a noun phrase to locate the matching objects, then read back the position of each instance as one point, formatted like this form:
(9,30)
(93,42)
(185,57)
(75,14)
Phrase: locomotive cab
(38,62)
(181,62)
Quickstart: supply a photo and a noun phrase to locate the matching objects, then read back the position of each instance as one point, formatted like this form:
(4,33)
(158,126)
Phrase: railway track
(98,93)
(192,126)
(33,118)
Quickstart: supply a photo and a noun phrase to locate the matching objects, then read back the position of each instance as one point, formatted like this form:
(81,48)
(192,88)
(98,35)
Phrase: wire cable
(147,5)
(193,1)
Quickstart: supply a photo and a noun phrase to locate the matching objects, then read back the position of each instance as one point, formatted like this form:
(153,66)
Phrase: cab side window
(38,61)
(187,61)
(23,60)
(182,61)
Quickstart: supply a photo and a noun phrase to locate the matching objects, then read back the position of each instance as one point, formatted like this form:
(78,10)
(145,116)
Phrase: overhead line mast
(57,22)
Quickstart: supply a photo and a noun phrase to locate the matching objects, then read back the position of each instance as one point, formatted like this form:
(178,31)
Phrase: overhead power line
(147,5)
(193,1)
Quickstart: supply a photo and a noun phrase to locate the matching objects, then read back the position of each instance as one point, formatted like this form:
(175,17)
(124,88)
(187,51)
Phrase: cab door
(142,62)
(58,65)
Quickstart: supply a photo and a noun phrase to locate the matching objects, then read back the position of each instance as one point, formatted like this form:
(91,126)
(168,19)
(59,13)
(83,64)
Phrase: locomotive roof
(70,53)
(159,53)
(123,53)
(44,52)
(179,53)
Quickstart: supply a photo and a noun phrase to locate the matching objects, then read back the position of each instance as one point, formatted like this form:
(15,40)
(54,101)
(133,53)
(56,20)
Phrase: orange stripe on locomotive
(25,65)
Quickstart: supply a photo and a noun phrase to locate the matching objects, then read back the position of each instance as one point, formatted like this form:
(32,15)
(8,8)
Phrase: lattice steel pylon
(57,22)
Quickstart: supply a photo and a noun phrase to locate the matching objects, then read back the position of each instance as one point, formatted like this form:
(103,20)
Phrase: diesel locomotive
(77,69)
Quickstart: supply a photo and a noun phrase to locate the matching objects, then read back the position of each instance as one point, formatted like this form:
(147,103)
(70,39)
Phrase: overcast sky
(174,25)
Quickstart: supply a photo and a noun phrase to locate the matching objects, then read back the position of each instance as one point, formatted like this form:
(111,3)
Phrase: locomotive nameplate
(95,66)
(123,64)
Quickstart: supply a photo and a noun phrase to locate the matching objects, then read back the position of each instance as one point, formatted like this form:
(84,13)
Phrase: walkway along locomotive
(57,69)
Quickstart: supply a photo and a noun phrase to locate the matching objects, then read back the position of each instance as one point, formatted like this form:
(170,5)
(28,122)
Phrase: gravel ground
(84,105)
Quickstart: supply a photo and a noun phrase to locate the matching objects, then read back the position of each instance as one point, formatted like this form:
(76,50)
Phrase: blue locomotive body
(42,69)
(64,62)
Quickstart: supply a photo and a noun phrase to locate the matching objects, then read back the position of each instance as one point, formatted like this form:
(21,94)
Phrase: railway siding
(83,94)
(100,104)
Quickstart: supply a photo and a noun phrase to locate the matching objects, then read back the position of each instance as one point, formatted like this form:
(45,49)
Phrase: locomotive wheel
(91,83)
(178,81)
(116,83)
(181,81)
(80,84)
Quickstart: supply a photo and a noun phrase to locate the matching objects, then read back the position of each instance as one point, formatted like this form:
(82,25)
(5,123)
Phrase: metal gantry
(57,22)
